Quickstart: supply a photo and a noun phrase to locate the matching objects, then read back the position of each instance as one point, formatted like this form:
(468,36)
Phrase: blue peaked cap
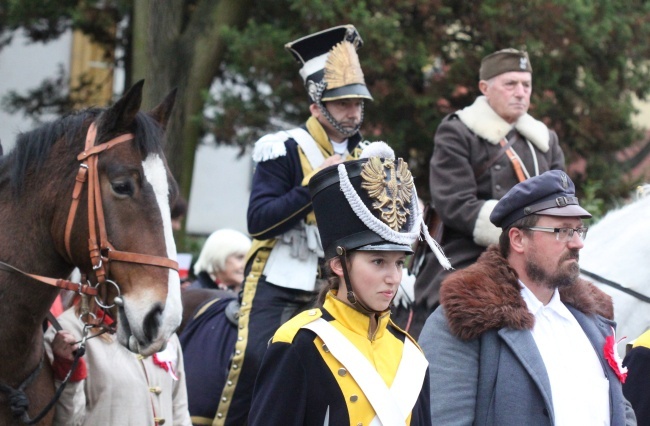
(552,193)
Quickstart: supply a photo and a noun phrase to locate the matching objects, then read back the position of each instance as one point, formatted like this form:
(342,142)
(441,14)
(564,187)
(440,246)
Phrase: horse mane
(33,147)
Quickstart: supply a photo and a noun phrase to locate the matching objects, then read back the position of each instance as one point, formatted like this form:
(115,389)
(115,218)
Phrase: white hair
(216,249)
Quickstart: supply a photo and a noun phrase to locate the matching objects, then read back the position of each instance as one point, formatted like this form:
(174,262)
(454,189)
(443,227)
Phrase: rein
(617,286)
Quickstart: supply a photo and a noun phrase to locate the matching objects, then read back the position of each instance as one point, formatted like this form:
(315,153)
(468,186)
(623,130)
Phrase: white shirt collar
(555,304)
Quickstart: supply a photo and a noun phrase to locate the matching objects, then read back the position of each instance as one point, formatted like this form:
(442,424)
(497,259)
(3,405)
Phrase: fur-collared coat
(464,143)
(485,368)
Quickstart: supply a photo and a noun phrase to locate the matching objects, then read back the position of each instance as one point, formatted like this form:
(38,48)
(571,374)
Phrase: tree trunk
(172,52)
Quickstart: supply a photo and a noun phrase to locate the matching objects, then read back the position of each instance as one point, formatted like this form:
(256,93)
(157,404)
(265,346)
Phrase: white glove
(313,240)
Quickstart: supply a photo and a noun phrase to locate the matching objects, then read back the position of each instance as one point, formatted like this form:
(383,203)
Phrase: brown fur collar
(487,296)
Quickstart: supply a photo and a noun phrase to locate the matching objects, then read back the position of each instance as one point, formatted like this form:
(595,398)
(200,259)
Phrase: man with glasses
(519,338)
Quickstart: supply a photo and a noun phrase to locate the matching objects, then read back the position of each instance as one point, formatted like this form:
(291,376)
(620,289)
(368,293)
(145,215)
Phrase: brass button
(312,312)
(155,389)
(235,366)
(325,348)
(354,398)
(159,420)
(257,259)
(224,399)
(237,352)
(219,415)
(342,371)
(240,338)
(229,382)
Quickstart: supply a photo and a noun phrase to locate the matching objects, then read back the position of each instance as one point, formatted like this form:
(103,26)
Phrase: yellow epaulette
(643,340)
(408,336)
(288,330)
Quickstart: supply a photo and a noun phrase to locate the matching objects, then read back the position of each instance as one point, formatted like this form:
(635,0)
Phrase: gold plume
(342,66)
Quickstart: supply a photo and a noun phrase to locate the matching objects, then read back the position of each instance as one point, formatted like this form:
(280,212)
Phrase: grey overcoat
(485,368)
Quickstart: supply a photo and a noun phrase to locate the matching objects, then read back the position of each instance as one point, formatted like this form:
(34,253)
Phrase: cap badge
(391,188)
(523,63)
(343,67)
(565,180)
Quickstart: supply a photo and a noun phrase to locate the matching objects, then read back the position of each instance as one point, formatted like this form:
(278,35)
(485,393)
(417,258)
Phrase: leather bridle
(101,250)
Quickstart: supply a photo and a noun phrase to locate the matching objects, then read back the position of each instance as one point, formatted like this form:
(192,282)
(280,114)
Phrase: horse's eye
(124,189)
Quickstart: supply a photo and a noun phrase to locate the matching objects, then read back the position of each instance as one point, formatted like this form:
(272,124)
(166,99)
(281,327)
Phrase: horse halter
(102,251)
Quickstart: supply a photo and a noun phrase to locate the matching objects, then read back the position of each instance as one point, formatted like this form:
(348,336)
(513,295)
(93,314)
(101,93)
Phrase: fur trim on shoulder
(270,146)
(484,296)
(487,295)
(481,119)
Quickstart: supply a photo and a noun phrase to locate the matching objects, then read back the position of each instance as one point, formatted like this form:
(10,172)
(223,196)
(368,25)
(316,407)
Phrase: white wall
(220,190)
(23,66)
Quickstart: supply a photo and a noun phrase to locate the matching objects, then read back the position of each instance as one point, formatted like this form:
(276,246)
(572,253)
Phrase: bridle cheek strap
(101,251)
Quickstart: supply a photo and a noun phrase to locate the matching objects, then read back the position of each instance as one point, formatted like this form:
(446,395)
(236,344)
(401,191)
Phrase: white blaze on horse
(617,249)
(118,233)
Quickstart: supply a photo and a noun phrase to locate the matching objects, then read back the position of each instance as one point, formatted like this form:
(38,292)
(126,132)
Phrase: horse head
(137,190)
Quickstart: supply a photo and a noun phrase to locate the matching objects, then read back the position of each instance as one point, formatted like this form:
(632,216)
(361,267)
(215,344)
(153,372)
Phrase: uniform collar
(354,320)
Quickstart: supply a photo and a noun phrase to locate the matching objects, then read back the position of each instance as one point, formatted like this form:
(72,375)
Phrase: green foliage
(421,60)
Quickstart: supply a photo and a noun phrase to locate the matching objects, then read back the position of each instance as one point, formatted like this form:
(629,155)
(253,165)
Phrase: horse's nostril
(152,322)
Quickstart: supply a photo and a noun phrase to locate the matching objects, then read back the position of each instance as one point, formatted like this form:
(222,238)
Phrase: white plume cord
(383,230)
(435,247)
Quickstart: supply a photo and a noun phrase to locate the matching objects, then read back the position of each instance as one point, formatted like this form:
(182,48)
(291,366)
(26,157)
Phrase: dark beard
(563,276)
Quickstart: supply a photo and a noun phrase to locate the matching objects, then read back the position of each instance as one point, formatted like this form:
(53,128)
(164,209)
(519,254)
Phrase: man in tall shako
(282,269)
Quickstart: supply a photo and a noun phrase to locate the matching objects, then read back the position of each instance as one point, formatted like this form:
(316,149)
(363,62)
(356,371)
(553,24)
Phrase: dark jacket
(464,142)
(635,388)
(278,199)
(300,382)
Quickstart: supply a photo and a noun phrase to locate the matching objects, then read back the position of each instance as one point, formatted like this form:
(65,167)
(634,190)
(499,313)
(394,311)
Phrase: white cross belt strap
(394,405)
(308,146)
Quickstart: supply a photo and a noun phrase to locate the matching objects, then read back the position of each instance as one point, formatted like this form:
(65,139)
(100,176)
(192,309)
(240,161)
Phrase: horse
(91,190)
(615,259)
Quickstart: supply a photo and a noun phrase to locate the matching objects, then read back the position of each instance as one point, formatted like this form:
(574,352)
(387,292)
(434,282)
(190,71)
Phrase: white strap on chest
(394,405)
(308,145)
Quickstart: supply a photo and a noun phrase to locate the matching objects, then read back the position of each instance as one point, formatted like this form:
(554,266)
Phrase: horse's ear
(162,112)
(121,115)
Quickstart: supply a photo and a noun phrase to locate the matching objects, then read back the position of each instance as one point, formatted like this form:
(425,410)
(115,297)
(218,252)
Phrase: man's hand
(330,161)
(64,345)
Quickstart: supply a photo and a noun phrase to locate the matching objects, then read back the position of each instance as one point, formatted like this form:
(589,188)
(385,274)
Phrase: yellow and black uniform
(302,382)
(635,388)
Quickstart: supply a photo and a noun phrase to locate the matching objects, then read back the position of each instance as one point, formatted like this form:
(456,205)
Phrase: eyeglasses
(562,234)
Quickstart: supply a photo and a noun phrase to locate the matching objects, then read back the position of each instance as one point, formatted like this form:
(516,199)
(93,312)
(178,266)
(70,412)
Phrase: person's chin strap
(348,285)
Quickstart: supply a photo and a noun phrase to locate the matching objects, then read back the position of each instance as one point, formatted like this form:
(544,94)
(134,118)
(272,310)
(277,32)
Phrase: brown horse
(39,235)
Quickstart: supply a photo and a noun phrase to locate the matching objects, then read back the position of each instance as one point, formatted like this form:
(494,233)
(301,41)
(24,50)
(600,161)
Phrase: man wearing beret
(519,338)
(479,153)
